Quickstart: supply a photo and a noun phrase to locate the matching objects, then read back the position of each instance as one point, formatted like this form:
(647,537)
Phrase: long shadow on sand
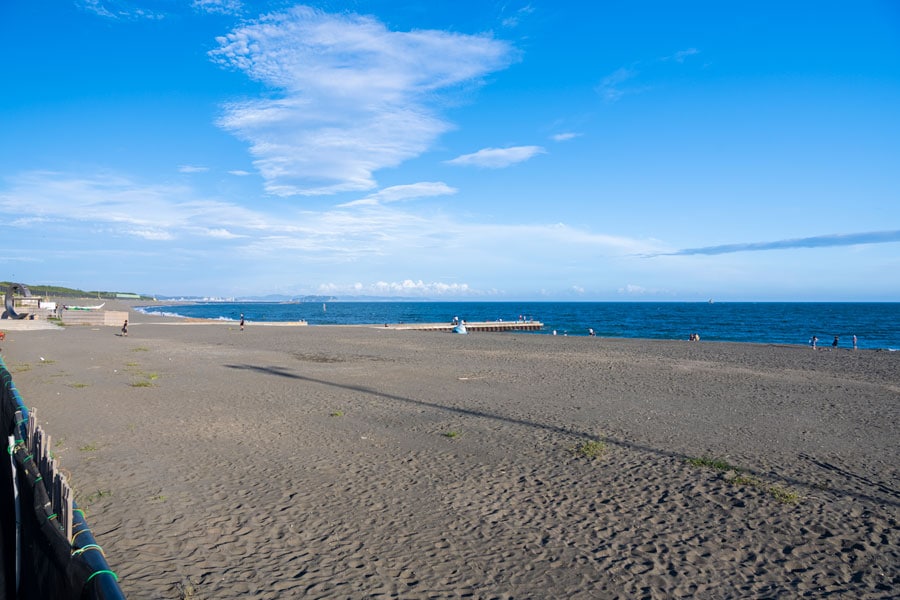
(283,372)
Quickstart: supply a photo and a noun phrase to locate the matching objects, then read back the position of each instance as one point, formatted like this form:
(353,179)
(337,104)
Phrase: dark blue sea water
(876,325)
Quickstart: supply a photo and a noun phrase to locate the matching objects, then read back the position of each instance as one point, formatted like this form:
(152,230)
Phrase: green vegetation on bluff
(57,291)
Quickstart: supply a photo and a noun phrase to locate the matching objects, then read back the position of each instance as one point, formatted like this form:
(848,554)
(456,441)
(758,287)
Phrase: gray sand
(354,462)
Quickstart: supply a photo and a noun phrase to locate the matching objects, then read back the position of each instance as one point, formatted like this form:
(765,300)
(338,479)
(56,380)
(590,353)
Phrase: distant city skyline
(453,150)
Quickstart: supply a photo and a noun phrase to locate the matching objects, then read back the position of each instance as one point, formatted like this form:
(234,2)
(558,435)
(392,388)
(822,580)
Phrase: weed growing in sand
(131,364)
(148,380)
(590,449)
(452,434)
(734,476)
(186,590)
(97,495)
(46,361)
(88,448)
(712,463)
(140,349)
(337,413)
(19,368)
(78,385)
(784,495)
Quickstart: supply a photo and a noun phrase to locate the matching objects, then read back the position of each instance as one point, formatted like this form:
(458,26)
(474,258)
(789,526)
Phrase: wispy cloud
(224,7)
(382,240)
(154,212)
(120,9)
(564,137)
(350,97)
(611,87)
(497,158)
(403,288)
(398,193)
(192,169)
(631,80)
(516,18)
(821,241)
(681,55)
(153,235)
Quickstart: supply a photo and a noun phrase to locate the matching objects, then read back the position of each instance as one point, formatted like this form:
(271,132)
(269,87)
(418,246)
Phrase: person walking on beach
(813,342)
(125,328)
(835,342)
(854,342)
(242,321)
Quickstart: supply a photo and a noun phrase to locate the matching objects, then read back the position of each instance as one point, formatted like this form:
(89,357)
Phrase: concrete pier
(471,326)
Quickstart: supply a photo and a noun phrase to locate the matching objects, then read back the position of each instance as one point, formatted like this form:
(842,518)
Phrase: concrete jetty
(471,326)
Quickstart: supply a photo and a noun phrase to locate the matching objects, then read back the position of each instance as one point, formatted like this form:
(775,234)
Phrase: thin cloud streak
(398,193)
(497,158)
(821,241)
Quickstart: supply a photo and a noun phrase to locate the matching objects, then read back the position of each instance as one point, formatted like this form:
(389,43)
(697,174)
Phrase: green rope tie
(51,517)
(102,571)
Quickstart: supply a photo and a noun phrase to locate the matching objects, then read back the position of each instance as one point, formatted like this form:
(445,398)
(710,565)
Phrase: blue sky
(471,150)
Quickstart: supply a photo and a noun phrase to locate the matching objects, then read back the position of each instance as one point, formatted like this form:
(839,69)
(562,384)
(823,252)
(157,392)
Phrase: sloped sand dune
(349,462)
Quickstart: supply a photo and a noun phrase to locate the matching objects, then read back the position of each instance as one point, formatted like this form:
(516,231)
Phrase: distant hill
(64,292)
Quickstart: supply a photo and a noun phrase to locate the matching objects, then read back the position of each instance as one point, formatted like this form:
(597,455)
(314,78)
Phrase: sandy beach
(356,462)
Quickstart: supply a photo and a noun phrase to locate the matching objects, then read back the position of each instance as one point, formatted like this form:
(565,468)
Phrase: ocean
(876,325)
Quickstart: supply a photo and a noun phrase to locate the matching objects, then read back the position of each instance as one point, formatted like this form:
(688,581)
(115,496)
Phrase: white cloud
(192,169)
(402,288)
(170,225)
(114,200)
(119,9)
(681,55)
(224,7)
(564,137)
(157,235)
(497,158)
(516,18)
(611,87)
(627,80)
(632,289)
(397,193)
(350,96)
(239,173)
(221,234)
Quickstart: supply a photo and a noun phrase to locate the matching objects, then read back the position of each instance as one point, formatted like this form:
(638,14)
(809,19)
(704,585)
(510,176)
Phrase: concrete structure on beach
(472,326)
